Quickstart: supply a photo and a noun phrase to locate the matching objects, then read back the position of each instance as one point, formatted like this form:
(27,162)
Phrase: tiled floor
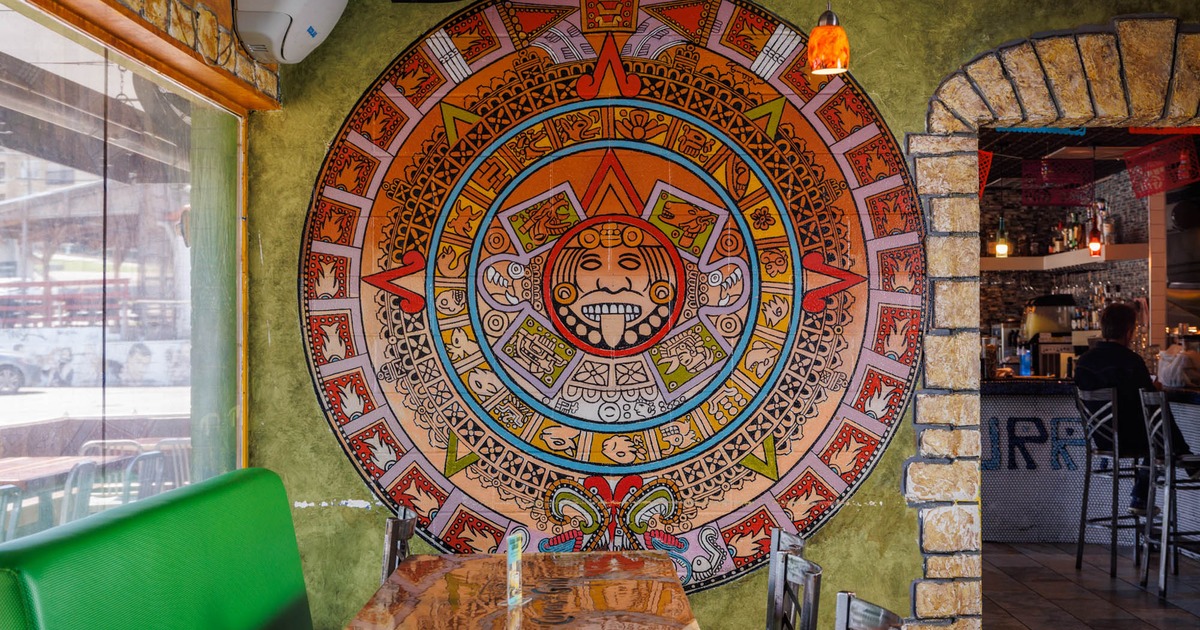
(1036,586)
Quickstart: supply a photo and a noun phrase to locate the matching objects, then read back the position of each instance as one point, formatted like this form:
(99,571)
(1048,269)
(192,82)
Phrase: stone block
(266,81)
(954,214)
(244,68)
(1022,65)
(936,600)
(952,256)
(958,94)
(950,528)
(928,482)
(156,12)
(1185,83)
(952,361)
(1064,69)
(182,24)
(134,5)
(997,90)
(940,120)
(1102,63)
(1147,48)
(227,50)
(955,304)
(947,175)
(208,34)
(958,410)
(955,566)
(927,144)
(950,443)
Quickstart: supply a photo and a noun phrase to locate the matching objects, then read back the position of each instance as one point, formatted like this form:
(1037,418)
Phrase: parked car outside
(17,371)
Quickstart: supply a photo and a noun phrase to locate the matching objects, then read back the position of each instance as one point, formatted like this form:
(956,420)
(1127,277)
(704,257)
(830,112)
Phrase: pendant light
(1002,240)
(828,46)
(1095,242)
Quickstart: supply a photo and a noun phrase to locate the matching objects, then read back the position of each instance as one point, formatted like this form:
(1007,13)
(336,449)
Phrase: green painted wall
(901,50)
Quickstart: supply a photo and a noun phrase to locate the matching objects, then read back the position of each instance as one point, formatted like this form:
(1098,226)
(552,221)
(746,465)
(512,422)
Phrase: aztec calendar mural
(617,274)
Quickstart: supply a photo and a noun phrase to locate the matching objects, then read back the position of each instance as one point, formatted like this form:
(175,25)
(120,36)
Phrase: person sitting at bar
(1112,364)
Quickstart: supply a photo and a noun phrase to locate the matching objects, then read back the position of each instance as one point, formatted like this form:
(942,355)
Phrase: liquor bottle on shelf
(1080,231)
(1108,232)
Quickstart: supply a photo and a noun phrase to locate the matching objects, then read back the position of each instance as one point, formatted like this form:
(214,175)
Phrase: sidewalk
(40,404)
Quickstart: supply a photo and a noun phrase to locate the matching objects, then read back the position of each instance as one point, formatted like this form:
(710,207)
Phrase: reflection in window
(118,248)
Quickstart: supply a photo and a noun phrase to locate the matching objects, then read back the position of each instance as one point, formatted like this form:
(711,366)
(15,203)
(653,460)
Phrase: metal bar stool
(1098,411)
(1164,460)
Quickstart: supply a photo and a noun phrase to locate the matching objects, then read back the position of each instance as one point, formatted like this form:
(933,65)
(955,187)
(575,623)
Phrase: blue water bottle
(1026,362)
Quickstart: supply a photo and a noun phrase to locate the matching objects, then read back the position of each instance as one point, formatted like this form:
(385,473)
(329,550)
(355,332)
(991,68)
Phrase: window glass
(118,247)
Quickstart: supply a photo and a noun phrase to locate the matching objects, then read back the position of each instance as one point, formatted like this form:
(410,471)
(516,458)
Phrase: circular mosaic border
(674,153)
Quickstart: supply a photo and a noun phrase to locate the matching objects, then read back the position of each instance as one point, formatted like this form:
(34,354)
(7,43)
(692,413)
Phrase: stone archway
(1138,71)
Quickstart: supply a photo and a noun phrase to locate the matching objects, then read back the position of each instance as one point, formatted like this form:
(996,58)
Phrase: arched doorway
(1138,71)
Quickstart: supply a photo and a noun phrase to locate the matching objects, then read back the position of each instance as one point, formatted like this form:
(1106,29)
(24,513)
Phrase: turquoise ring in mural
(617,275)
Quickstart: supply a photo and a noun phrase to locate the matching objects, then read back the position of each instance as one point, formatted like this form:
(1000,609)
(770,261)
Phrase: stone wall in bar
(1142,71)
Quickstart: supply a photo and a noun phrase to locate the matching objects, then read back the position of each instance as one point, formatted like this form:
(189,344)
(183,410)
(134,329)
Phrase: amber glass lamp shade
(1094,243)
(1002,240)
(828,47)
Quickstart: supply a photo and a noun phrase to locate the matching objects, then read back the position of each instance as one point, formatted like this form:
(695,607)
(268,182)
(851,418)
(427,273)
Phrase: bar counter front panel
(1032,457)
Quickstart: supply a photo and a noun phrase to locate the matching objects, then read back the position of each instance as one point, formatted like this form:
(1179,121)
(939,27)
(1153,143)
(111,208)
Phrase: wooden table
(637,589)
(43,476)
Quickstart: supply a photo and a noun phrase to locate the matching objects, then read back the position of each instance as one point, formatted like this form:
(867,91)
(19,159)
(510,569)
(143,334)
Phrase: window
(118,248)
(60,176)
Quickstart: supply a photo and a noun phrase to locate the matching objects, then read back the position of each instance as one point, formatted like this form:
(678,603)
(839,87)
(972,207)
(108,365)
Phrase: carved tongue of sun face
(612,284)
(614,319)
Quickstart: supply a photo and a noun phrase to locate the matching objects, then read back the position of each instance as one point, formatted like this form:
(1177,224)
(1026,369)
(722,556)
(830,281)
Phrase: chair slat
(859,614)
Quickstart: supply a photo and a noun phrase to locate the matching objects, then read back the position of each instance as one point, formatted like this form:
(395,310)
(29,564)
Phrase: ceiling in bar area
(1107,145)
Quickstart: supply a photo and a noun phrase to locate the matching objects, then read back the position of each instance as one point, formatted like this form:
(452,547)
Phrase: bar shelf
(1066,260)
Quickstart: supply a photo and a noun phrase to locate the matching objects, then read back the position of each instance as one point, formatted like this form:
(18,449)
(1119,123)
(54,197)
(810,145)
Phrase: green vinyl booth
(219,554)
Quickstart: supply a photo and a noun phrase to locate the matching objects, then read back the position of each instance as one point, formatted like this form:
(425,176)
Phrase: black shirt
(1110,364)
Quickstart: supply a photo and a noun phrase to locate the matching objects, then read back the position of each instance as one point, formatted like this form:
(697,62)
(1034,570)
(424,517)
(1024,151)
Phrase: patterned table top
(579,590)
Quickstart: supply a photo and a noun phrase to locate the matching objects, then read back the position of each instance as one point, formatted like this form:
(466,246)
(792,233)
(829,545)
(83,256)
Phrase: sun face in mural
(612,285)
(625,280)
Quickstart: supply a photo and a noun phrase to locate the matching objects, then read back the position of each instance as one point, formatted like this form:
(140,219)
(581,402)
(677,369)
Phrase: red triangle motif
(610,191)
(527,22)
(815,300)
(691,18)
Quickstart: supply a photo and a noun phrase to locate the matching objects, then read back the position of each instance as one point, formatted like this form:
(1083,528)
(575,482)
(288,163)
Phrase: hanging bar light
(828,46)
(1002,240)
(1094,240)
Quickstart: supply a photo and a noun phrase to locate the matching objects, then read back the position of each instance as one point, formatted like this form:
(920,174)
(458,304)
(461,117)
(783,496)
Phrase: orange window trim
(117,26)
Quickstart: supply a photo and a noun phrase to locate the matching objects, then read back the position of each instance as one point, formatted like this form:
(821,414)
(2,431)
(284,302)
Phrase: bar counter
(1032,460)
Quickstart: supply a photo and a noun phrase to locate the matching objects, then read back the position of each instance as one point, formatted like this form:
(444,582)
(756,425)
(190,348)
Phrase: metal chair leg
(1174,526)
(1164,552)
(1083,510)
(1112,548)
(1143,562)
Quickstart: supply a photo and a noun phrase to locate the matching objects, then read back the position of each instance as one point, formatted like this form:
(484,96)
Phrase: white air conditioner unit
(285,31)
